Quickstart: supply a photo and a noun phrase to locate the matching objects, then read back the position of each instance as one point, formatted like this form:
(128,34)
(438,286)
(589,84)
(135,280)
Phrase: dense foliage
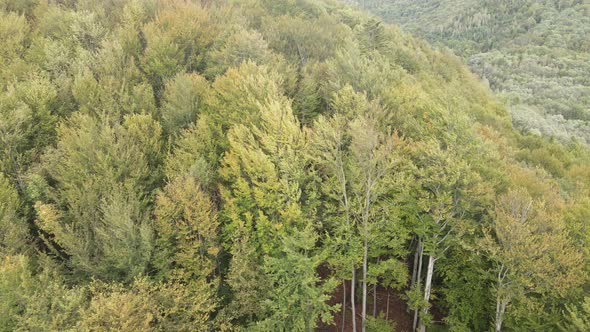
(175,165)
(534,53)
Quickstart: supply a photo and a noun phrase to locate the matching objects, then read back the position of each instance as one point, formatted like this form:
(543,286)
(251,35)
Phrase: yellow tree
(14,231)
(186,227)
(269,219)
(97,210)
(361,162)
(531,251)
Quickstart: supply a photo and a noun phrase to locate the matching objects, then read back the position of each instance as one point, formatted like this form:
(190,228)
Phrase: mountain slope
(270,165)
(534,54)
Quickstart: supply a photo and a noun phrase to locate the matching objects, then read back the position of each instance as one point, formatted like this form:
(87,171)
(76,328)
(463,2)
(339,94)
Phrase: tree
(248,282)
(27,125)
(374,162)
(102,176)
(265,204)
(176,41)
(197,152)
(445,183)
(14,33)
(15,278)
(578,320)
(36,301)
(147,306)
(531,251)
(362,161)
(112,84)
(51,304)
(237,95)
(238,47)
(330,152)
(265,173)
(303,42)
(296,301)
(186,227)
(14,235)
(184,99)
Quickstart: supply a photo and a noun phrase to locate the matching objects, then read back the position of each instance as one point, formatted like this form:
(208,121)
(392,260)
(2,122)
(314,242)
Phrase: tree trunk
(501,302)
(343,304)
(427,288)
(415,320)
(366,248)
(500,309)
(387,310)
(352,304)
(415,267)
(375,300)
(418,280)
(364,309)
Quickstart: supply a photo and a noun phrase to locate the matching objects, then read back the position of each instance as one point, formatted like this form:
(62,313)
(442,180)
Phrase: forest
(535,54)
(272,165)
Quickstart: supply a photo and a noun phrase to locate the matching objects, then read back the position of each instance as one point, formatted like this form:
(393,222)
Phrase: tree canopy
(271,165)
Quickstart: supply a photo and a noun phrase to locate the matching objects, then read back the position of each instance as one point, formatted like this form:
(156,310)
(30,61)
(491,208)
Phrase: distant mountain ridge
(534,54)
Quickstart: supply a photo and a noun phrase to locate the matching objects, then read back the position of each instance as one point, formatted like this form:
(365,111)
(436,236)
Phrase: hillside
(534,54)
(271,165)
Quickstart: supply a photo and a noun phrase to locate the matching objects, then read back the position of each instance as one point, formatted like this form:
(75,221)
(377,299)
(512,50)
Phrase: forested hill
(534,53)
(271,165)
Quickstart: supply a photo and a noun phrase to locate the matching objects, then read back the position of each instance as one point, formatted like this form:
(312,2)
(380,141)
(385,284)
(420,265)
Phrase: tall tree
(27,125)
(363,162)
(187,231)
(184,99)
(14,235)
(444,184)
(330,151)
(265,204)
(531,251)
(97,211)
(299,298)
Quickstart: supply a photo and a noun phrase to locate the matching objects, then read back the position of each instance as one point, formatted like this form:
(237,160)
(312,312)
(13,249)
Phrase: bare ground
(389,304)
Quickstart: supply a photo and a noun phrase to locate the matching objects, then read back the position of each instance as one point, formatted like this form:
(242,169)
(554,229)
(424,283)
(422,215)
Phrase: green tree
(373,169)
(531,251)
(15,280)
(147,306)
(176,41)
(264,204)
(363,164)
(14,234)
(296,301)
(330,151)
(197,152)
(187,234)
(578,319)
(184,99)
(248,282)
(103,176)
(27,125)
(446,185)
(265,172)
(112,84)
(237,95)
(239,46)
